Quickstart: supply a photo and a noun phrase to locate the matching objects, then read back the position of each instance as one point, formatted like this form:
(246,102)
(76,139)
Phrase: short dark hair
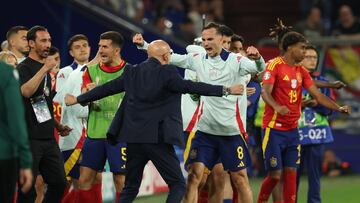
(15,30)
(76,38)
(226,31)
(213,25)
(236,38)
(310,46)
(116,38)
(53,50)
(291,38)
(31,35)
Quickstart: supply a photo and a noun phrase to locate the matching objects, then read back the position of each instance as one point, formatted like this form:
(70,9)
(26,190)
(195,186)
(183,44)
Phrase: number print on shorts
(240,152)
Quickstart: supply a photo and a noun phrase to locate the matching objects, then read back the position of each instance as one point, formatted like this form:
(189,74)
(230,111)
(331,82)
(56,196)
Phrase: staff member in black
(35,88)
(149,120)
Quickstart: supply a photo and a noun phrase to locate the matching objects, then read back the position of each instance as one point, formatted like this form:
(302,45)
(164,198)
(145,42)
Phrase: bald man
(149,118)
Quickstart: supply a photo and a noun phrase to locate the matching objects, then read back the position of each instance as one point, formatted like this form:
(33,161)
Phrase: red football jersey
(288,82)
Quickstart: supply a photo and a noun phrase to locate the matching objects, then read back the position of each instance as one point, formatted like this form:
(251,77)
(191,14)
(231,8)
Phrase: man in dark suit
(149,119)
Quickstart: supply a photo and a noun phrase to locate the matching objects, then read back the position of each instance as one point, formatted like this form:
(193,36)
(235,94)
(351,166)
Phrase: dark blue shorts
(96,151)
(280,148)
(71,163)
(208,149)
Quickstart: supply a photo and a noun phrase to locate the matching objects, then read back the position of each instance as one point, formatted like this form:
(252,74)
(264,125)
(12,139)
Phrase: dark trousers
(48,162)
(8,177)
(311,157)
(166,162)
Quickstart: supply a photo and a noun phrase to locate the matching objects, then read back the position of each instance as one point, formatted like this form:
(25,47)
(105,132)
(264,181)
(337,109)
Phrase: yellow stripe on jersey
(188,145)
(71,161)
(273,63)
(265,140)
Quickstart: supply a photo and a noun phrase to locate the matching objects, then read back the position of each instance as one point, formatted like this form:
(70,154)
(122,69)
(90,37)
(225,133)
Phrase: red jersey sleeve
(307,80)
(270,72)
(86,79)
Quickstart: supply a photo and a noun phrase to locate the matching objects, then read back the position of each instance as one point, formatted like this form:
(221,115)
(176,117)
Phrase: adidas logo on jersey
(286,78)
(241,164)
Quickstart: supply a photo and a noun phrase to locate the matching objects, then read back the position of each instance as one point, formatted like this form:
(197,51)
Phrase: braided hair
(279,31)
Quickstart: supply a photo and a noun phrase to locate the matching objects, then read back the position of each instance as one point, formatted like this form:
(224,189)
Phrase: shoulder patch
(272,63)
(267,75)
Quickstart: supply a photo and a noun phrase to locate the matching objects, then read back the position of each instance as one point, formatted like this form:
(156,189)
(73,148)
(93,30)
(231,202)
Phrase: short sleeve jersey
(287,84)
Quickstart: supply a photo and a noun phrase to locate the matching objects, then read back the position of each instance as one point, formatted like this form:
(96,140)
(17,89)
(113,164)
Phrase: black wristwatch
(226,91)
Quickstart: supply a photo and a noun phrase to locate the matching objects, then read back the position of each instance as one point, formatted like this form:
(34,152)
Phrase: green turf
(334,190)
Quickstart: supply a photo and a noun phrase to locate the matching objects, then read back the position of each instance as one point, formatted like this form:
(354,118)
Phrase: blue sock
(227,200)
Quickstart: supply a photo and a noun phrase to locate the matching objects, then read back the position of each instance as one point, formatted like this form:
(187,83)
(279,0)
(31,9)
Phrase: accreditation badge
(40,108)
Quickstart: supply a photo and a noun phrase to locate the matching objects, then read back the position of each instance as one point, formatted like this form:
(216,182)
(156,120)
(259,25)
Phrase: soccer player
(96,150)
(314,130)
(218,136)
(69,81)
(283,80)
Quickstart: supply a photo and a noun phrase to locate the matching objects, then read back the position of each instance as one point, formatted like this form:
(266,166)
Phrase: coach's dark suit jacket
(151,109)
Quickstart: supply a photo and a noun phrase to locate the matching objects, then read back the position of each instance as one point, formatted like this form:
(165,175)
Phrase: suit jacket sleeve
(110,88)
(175,83)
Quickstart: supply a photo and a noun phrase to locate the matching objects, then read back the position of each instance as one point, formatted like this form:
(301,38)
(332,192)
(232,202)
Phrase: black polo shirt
(27,69)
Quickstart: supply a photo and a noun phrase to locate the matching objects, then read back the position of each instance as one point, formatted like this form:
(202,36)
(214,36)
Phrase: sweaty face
(107,51)
(42,44)
(310,60)
(237,47)
(297,51)
(226,42)
(212,42)
(80,50)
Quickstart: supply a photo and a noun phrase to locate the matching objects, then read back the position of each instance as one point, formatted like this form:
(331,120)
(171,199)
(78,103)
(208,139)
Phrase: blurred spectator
(163,25)
(333,166)
(16,37)
(311,27)
(195,14)
(186,31)
(348,25)
(9,58)
(5,46)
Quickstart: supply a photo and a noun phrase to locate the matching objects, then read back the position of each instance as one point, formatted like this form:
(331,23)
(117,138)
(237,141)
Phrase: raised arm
(253,63)
(30,86)
(180,60)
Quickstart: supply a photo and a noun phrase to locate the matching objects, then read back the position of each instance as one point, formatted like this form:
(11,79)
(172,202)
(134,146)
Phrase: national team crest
(273,162)
(193,154)
(293,83)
